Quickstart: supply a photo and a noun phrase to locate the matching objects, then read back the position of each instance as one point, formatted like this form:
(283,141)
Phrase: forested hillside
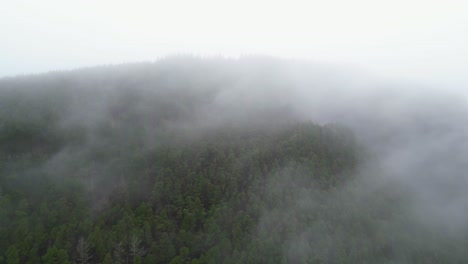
(192,161)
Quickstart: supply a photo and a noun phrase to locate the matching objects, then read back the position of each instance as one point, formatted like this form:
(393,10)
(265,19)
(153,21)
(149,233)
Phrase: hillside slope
(193,161)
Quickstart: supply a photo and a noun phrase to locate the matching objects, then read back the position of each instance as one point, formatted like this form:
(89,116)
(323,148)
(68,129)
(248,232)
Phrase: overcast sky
(421,40)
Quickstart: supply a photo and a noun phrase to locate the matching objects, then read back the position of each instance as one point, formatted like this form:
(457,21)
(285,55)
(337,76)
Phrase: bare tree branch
(136,249)
(83,254)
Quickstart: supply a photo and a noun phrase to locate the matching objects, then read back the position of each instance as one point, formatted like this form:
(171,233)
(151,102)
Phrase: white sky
(422,40)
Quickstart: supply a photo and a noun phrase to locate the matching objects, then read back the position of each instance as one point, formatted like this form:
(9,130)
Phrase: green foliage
(12,255)
(205,198)
(55,256)
(107,259)
(136,174)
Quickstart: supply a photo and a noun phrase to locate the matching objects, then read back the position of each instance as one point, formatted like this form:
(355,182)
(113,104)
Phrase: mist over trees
(255,160)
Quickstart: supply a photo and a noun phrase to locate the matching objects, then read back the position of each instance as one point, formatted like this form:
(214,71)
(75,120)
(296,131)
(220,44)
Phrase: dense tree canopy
(148,164)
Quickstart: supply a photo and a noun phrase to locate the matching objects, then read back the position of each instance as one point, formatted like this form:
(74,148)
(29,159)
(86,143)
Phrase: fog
(414,138)
(94,94)
(422,41)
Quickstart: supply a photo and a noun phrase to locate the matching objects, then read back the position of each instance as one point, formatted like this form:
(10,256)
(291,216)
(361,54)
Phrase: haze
(422,41)
(210,132)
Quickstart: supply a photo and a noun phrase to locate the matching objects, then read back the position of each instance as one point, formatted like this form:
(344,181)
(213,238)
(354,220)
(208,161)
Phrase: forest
(190,160)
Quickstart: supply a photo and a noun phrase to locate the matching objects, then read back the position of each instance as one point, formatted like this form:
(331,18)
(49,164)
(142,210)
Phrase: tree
(55,256)
(107,259)
(96,241)
(136,249)
(119,253)
(83,254)
(12,255)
